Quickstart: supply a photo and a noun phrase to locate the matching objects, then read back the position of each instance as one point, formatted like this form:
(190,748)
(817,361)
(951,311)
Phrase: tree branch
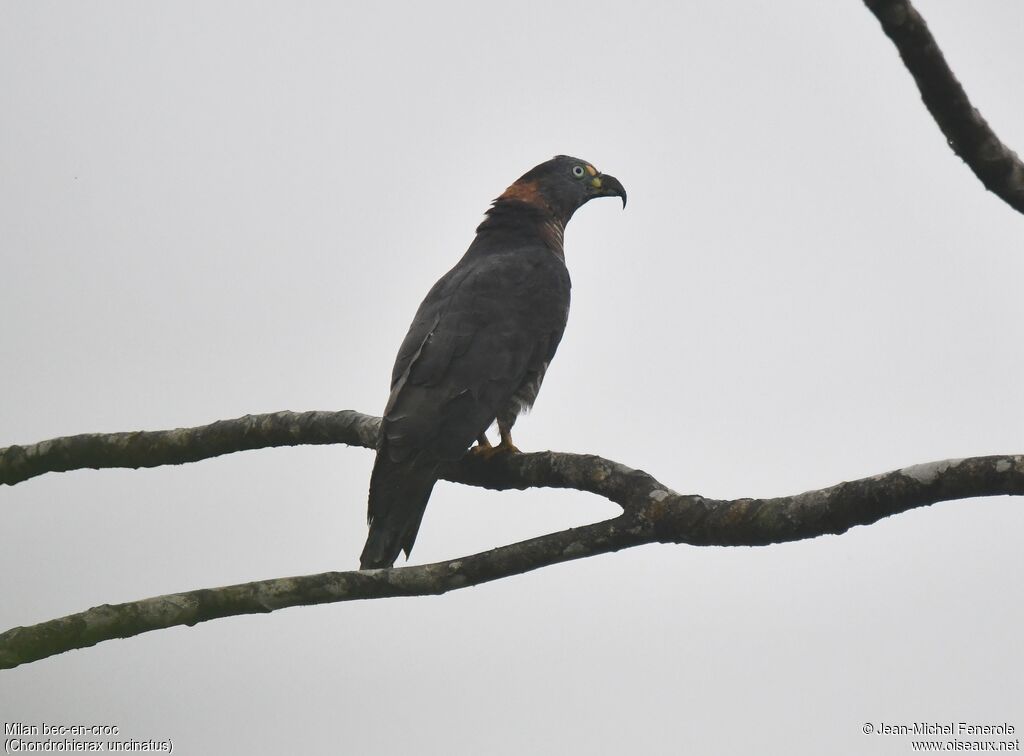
(652,513)
(970,136)
(175,447)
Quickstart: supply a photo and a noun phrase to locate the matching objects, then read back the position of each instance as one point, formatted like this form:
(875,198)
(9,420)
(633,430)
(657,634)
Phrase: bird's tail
(399,492)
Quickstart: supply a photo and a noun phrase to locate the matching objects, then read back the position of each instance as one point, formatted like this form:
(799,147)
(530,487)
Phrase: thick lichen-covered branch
(652,513)
(970,136)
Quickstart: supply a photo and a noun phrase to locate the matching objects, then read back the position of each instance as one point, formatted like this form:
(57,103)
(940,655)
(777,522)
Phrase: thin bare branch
(652,513)
(970,136)
(136,449)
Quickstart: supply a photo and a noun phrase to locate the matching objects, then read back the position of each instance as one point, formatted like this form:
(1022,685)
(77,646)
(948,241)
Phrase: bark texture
(651,513)
(136,449)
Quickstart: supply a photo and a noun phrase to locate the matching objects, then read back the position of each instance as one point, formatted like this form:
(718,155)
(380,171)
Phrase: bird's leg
(483,446)
(484,450)
(506,445)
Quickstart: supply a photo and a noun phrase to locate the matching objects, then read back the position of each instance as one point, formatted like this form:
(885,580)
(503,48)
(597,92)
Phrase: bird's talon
(483,445)
(483,452)
(489,452)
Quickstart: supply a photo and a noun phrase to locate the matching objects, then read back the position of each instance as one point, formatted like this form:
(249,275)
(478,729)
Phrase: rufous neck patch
(524,191)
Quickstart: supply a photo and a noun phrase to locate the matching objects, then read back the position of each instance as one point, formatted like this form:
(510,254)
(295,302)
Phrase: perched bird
(478,347)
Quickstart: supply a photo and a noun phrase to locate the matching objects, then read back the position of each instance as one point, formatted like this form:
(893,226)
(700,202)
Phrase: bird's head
(563,185)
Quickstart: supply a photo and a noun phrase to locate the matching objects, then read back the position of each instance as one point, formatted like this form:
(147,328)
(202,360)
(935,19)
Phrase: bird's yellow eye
(577,171)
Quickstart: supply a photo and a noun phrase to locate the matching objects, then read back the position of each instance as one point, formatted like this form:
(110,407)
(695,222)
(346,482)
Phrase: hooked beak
(608,186)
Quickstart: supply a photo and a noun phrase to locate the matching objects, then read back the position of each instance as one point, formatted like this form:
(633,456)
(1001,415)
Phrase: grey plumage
(478,347)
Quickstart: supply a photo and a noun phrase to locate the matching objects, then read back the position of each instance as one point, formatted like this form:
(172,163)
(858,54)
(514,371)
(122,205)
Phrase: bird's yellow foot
(507,447)
(506,444)
(484,449)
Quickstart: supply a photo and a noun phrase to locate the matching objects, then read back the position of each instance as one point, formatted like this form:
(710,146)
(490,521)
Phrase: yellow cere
(591,170)
(596,182)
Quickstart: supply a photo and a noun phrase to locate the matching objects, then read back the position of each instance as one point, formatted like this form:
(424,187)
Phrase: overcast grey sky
(211,209)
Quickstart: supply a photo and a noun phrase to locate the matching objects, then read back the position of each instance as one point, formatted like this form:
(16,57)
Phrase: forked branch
(652,513)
